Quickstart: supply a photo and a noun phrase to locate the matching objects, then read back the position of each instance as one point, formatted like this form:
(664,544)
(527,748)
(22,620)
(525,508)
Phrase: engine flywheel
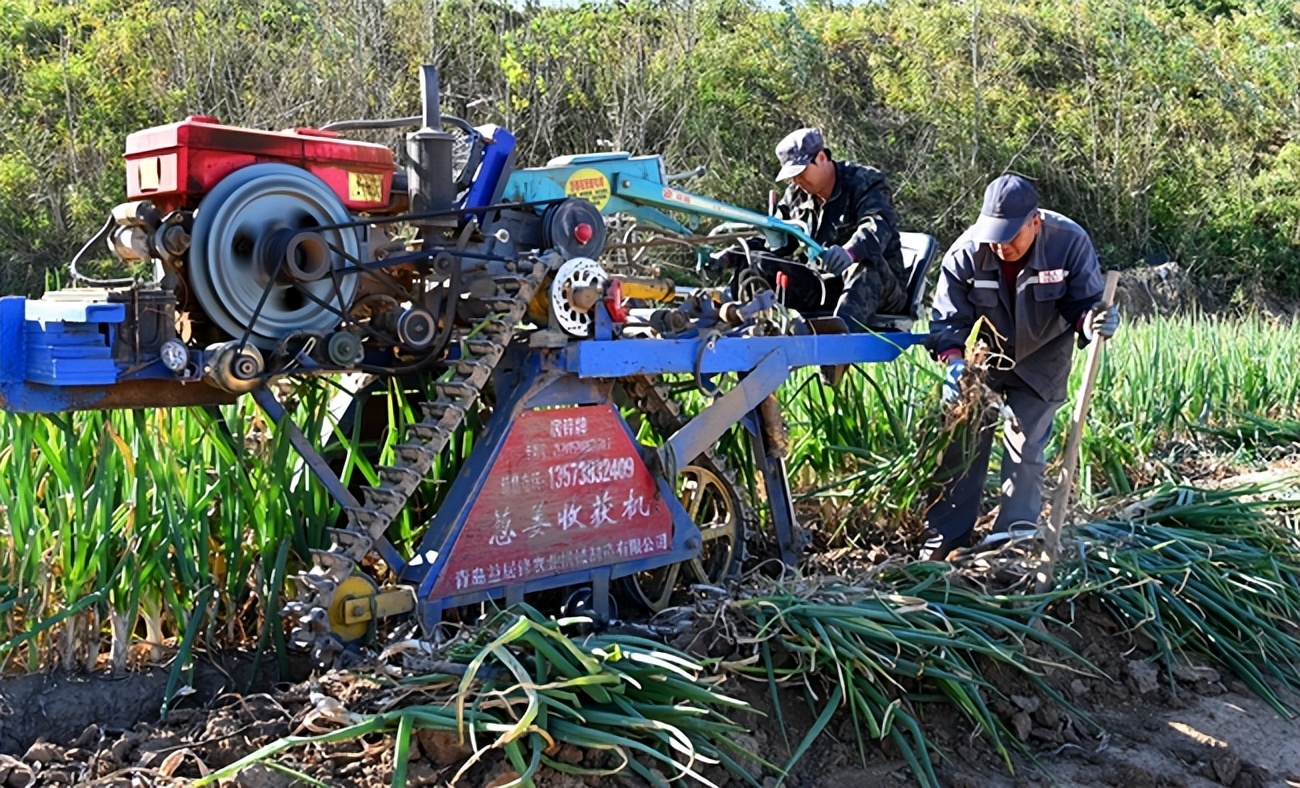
(259,263)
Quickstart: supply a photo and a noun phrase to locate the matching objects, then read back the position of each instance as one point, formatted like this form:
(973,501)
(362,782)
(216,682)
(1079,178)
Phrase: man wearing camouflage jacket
(847,208)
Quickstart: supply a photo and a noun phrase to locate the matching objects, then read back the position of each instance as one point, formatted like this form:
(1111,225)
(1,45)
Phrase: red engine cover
(175,165)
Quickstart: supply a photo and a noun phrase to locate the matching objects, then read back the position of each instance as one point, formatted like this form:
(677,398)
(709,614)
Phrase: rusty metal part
(583,298)
(539,306)
(774,427)
(576,274)
(670,322)
(125,396)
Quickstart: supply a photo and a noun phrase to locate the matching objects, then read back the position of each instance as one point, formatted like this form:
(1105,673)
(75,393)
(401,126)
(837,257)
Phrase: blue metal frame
(584,373)
(538,383)
(56,356)
(763,363)
(729,354)
(642,192)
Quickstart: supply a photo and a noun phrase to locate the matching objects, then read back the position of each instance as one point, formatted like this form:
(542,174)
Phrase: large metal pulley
(574,227)
(259,262)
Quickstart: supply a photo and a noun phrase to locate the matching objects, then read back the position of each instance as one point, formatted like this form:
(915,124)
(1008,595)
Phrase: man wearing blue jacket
(1033,276)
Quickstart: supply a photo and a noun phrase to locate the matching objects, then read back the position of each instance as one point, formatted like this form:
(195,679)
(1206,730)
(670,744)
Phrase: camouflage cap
(797,151)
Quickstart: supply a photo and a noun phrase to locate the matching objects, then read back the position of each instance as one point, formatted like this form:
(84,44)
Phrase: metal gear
(575,273)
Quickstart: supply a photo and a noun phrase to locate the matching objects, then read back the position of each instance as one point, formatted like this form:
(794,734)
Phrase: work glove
(952,381)
(835,260)
(1100,321)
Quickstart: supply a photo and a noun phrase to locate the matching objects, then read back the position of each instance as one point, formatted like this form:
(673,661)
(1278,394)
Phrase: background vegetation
(127,530)
(1167,128)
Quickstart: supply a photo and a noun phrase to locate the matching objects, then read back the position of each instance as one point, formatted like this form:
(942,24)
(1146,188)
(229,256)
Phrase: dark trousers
(957,507)
(864,291)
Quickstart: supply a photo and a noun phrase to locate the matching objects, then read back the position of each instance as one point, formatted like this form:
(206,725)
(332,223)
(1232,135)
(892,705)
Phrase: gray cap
(797,151)
(1009,202)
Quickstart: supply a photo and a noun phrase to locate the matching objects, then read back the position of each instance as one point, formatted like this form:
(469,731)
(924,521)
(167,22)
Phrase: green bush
(1165,128)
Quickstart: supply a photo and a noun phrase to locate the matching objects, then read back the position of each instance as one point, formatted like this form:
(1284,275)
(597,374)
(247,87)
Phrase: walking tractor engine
(265,254)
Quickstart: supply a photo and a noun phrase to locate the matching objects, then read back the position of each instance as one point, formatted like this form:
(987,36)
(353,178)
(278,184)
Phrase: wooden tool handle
(1061,499)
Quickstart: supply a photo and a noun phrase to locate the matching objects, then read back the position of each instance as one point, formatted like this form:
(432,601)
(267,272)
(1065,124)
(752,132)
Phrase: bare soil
(1141,726)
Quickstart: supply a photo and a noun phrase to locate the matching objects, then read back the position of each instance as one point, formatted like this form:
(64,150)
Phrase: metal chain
(481,350)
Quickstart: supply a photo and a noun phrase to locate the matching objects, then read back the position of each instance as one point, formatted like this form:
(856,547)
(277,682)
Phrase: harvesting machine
(302,252)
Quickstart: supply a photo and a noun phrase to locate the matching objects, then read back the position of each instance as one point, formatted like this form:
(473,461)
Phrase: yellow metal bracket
(382,605)
(356,602)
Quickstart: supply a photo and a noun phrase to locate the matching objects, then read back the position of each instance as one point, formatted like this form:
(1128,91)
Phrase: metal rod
(777,486)
(703,431)
(430,92)
(319,467)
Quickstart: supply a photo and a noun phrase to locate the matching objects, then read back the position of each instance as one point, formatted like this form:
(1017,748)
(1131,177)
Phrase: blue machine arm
(644,192)
(729,354)
(638,186)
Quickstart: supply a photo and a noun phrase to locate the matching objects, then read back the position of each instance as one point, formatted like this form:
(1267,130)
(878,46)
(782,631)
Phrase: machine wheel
(255,216)
(717,506)
(575,273)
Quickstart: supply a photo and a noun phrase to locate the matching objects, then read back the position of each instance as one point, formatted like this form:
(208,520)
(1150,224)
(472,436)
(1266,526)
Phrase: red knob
(782,280)
(582,233)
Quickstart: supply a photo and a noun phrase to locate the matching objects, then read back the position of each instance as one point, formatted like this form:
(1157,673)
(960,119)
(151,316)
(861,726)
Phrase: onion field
(137,537)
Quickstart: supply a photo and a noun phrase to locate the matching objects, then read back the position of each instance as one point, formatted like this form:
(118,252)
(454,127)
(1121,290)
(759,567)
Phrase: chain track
(482,348)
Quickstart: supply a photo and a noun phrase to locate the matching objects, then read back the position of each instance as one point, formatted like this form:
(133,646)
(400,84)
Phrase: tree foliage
(1166,127)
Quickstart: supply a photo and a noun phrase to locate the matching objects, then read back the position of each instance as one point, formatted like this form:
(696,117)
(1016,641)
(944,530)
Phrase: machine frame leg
(777,486)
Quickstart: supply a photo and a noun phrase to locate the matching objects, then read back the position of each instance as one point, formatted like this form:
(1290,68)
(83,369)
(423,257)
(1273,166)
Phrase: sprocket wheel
(714,503)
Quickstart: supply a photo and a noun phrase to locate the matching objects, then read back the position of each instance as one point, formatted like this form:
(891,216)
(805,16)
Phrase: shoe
(938,547)
(1018,531)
